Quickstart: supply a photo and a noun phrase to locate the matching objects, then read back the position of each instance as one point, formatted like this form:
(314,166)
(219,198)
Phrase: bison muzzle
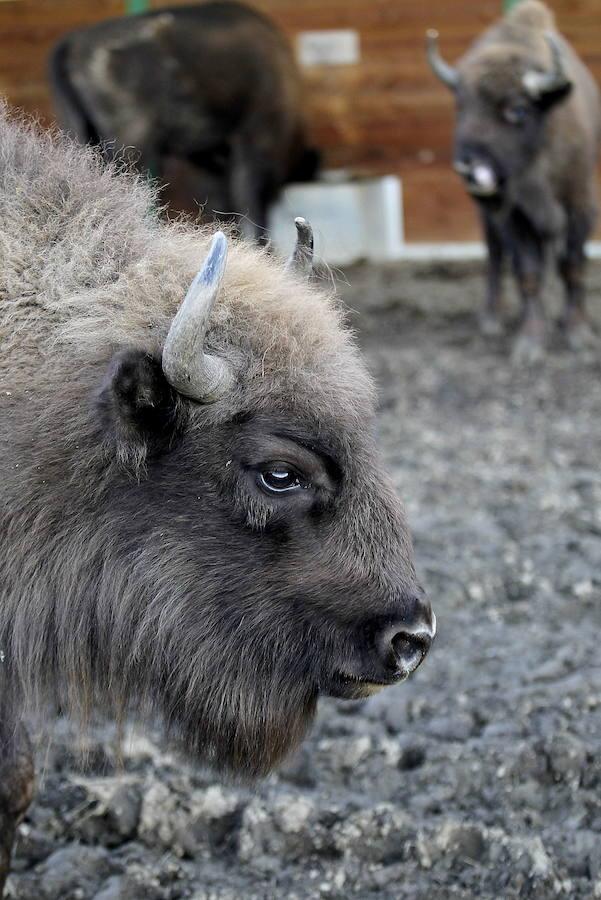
(195,520)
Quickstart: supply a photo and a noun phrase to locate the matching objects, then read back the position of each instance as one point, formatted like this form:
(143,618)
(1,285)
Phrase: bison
(527,135)
(195,520)
(214,87)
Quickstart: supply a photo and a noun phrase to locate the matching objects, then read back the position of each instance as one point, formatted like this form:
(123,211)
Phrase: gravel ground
(480,777)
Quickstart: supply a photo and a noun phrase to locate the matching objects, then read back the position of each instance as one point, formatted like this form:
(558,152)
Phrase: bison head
(257,554)
(502,99)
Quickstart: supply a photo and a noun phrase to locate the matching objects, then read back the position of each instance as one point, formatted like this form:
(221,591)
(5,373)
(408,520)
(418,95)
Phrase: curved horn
(447,74)
(187,367)
(538,84)
(301,259)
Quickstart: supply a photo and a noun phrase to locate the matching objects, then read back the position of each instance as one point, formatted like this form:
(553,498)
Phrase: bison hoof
(529,349)
(580,336)
(491,326)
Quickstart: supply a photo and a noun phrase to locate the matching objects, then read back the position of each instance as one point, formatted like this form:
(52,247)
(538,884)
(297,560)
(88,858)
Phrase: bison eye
(280,478)
(515,114)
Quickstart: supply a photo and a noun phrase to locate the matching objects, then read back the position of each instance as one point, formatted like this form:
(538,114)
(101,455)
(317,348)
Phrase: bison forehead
(497,71)
(286,339)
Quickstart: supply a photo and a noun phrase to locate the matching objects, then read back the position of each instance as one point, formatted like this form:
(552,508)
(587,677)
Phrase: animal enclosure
(386,113)
(156,566)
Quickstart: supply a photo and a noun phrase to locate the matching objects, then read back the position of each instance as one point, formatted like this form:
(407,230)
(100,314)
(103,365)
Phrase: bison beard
(249,723)
(195,522)
(150,644)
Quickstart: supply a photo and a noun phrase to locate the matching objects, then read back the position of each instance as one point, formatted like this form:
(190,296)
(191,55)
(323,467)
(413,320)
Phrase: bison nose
(403,648)
(480,177)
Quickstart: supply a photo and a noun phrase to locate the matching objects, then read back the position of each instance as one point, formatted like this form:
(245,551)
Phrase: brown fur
(212,90)
(544,165)
(495,66)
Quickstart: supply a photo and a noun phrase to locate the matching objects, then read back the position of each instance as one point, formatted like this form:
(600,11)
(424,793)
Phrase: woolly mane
(87,264)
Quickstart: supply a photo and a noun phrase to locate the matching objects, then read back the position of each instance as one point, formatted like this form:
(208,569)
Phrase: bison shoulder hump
(533,14)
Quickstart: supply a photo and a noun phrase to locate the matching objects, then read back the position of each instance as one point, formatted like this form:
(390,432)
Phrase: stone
(115,813)
(377,834)
(214,820)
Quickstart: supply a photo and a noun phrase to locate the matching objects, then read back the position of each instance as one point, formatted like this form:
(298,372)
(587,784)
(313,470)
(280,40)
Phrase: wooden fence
(385,114)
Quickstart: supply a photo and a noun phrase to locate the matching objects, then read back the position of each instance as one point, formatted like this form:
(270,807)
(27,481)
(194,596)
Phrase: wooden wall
(387,114)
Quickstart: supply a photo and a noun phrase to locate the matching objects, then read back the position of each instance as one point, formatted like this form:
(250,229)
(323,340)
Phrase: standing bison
(213,86)
(194,519)
(526,141)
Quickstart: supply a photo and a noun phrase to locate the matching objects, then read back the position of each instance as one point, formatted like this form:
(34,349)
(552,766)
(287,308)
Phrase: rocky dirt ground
(480,777)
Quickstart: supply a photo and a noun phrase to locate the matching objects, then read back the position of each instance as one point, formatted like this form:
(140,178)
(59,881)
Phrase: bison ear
(136,402)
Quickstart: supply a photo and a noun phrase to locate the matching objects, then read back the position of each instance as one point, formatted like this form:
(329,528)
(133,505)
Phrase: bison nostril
(403,649)
(409,650)
(462,166)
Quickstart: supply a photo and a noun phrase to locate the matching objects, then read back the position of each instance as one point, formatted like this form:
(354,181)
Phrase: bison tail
(69,107)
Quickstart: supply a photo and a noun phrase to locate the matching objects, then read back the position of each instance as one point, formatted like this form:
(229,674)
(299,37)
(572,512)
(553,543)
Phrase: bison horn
(447,74)
(301,259)
(194,373)
(538,84)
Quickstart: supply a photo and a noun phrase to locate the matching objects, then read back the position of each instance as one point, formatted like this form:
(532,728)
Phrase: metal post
(136,6)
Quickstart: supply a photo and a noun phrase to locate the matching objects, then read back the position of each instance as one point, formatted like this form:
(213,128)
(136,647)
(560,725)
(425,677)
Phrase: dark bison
(215,86)
(526,141)
(194,518)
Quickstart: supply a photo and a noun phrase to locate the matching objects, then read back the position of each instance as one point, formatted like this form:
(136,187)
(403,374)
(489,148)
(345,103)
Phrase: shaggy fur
(16,782)
(544,163)
(140,567)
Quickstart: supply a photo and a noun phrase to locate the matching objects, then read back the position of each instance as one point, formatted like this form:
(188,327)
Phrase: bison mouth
(481,179)
(344,686)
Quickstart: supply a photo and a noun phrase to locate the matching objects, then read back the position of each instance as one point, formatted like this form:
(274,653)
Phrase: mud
(481,776)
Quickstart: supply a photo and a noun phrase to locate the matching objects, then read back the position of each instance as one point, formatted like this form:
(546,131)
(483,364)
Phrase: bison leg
(529,252)
(16,786)
(248,191)
(491,323)
(571,264)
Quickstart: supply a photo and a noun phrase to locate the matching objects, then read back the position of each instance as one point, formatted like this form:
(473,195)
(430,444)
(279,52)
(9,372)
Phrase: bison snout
(384,651)
(480,178)
(401,648)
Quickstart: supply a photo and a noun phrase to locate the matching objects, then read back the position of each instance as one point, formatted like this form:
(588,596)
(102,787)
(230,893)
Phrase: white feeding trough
(353,218)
